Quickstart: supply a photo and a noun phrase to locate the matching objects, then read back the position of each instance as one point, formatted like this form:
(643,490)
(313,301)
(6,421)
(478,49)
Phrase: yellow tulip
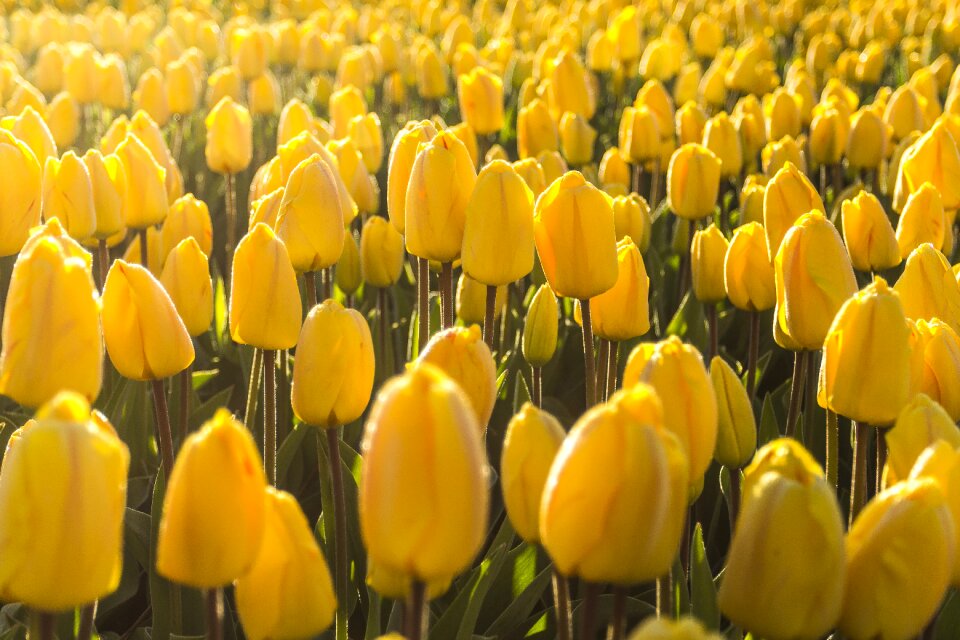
(146,202)
(68,195)
(229,146)
(461,353)
(736,426)
(707,253)
(693,181)
(788,196)
(939,348)
(928,289)
(480,95)
(748,274)
(310,221)
(540,327)
(109,182)
(922,220)
(20,187)
(868,234)
(622,312)
(186,278)
(403,153)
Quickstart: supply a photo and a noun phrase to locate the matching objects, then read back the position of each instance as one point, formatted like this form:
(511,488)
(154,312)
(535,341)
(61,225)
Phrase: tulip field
(476,320)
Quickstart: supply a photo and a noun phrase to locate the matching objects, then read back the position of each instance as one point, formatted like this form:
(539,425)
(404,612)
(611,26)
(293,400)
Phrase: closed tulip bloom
(403,153)
(751,203)
(213,518)
(940,462)
(19,195)
(540,327)
(265,309)
(569,89)
(685,628)
(499,211)
(366,133)
(287,593)
(444,520)
(188,218)
(693,181)
(381,252)
(614,168)
(707,253)
(784,576)
(186,278)
(151,96)
(748,274)
(431,74)
(461,353)
(631,217)
(348,276)
(939,377)
(576,139)
(860,381)
(778,153)
(51,327)
(109,183)
(636,505)
(640,134)
(480,94)
(223,83)
(295,118)
(529,448)
(441,182)
(721,136)
(903,112)
(301,148)
(334,367)
(249,49)
(553,165)
(933,158)
(471,300)
(229,147)
(345,104)
(691,120)
(536,130)
(31,128)
(883,603)
(867,140)
(928,289)
(146,202)
(68,195)
(922,220)
(310,221)
(868,234)
(921,423)
(183,87)
(576,237)
(54,230)
(814,278)
(53,561)
(789,195)
(828,136)
(113,88)
(63,119)
(145,337)
(622,312)
(782,114)
(736,426)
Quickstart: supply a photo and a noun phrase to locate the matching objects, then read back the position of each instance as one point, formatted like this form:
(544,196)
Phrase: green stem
(618,622)
(561,596)
(858,478)
(753,348)
(713,330)
(164,436)
(588,616)
(796,391)
(589,365)
(103,261)
(489,315)
(270,415)
(85,626)
(42,624)
(310,284)
(214,611)
(340,524)
(833,448)
(446,294)
(603,362)
(186,381)
(423,303)
(612,367)
(536,394)
(416,606)
(144,249)
(230,194)
(253,389)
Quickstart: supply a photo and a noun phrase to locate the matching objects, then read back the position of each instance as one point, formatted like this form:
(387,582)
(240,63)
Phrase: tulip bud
(265,309)
(51,327)
(366,133)
(310,221)
(736,426)
(461,353)
(381,252)
(480,94)
(295,118)
(20,187)
(867,140)
(614,168)
(529,448)
(229,147)
(345,104)
(693,181)
(684,628)
(631,217)
(441,182)
(151,96)
(186,278)
(645,476)
(828,136)
(790,513)
(54,230)
(471,300)
(63,119)
(748,275)
(578,255)
(441,528)
(113,88)
(622,312)
(707,253)
(868,234)
(721,137)
(553,165)
(933,158)
(67,456)
(568,89)
(348,277)
(146,201)
(145,337)
(939,462)
(183,87)
(789,195)
(287,593)
(68,195)
(928,289)
(431,74)
(188,218)
(213,517)
(223,83)
(922,220)
(301,148)
(31,128)
(576,139)
(691,120)
(939,348)
(904,113)
(536,130)
(909,516)
(639,134)
(249,51)
(921,423)
(781,111)
(403,153)
(361,186)
(109,183)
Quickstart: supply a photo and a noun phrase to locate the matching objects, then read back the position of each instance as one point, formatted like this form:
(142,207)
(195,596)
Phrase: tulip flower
(928,289)
(568,89)
(353,173)
(186,279)
(781,111)
(21,186)
(828,136)
(403,153)
(109,183)
(480,94)
(614,168)
(461,354)
(146,203)
(939,347)
(867,140)
(183,87)
(785,574)
(639,134)
(736,426)
(366,133)
(113,87)
(248,48)
(691,120)
(471,300)
(721,137)
(622,312)
(347,275)
(530,446)
(922,220)
(685,628)
(303,147)
(540,328)
(707,253)
(287,592)
(788,196)
(932,158)
(748,273)
(295,118)
(868,234)
(693,181)
(229,138)
(536,130)
(381,252)
(631,217)
(266,209)
(921,423)
(188,218)
(576,139)
(68,455)
(640,498)
(63,119)
(31,128)
(939,462)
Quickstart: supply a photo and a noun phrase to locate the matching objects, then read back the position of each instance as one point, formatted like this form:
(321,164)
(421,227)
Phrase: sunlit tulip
(461,353)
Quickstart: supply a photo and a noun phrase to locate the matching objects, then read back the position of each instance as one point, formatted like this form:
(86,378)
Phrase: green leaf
(681,596)
(769,428)
(948,621)
(509,623)
(489,569)
(703,593)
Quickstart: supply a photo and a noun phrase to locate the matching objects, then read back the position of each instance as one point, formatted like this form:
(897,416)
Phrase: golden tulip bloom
(736,426)
(751,203)
(784,575)
(576,237)
(928,289)
(814,278)
(576,138)
(631,217)
(776,154)
(693,181)
(444,519)
(623,311)
(553,165)
(828,136)
(334,368)
(145,337)
(188,218)
(109,183)
(904,113)
(868,234)
(471,300)
(707,253)
(381,252)
(529,448)
(146,202)
(348,276)
(183,87)
(442,180)
(861,381)
(113,88)
(623,525)
(301,148)
(788,196)
(691,120)
(536,130)
(921,423)
(867,140)
(20,188)
(248,49)
(151,96)
(31,128)
(431,74)
(366,133)
(266,209)
(461,354)
(922,220)
(63,119)
(287,593)
(939,377)
(722,138)
(639,134)
(51,560)
(229,147)
(51,327)
(480,95)
(748,274)
(310,221)
(568,88)
(213,517)
(540,327)
(295,118)
(614,168)
(933,158)
(939,462)
(265,309)
(54,230)
(68,195)
(345,104)
(403,153)
(685,628)
(907,527)
(781,111)
(498,230)
(186,278)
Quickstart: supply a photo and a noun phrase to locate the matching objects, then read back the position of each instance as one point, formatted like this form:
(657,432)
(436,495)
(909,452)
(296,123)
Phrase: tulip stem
(103,261)
(810,393)
(423,303)
(753,348)
(655,185)
(637,172)
(858,478)
(589,365)
(881,459)
(796,391)
(270,415)
(144,251)
(561,596)
(603,361)
(618,622)
(536,394)
(664,589)
(340,524)
(186,381)
(733,500)
(214,598)
(416,605)
(588,617)
(43,623)
(253,389)
(85,625)
(382,325)
(489,315)
(326,283)
(712,326)
(310,284)
(230,195)
(164,437)
(614,362)
(833,448)
(446,294)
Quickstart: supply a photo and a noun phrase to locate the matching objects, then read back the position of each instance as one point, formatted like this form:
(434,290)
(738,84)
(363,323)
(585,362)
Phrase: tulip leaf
(206,410)
(220,333)
(289,450)
(680,598)
(489,569)
(689,321)
(769,428)
(703,592)
(948,620)
(508,623)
